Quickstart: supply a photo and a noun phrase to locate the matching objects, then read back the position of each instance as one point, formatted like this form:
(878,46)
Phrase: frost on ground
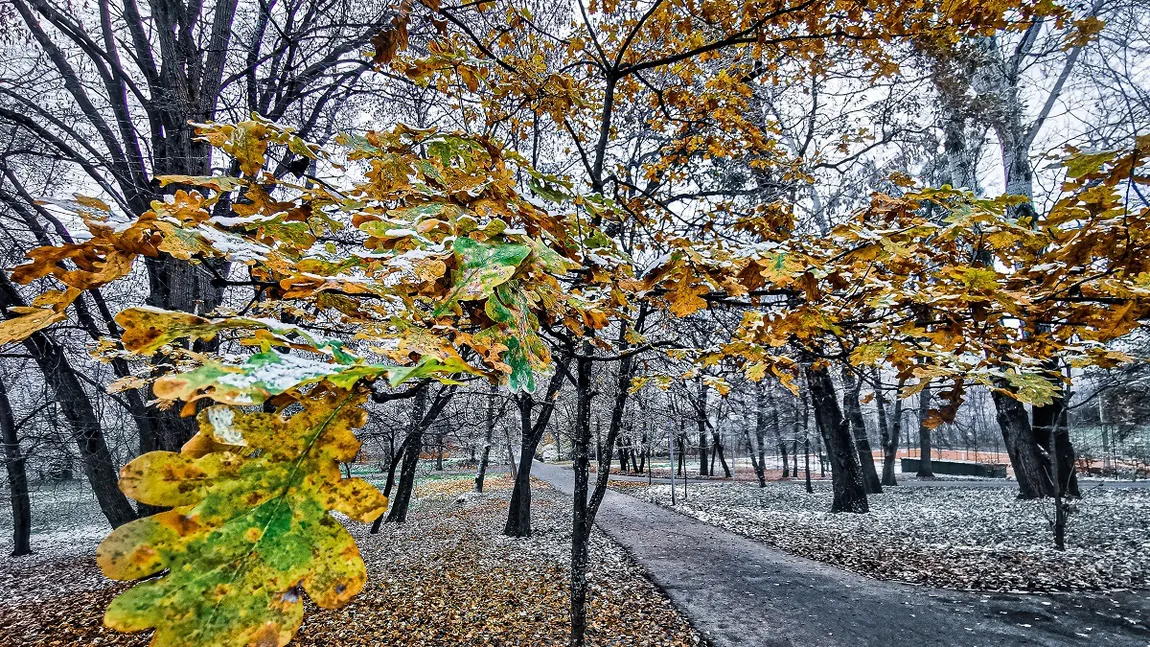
(961,538)
(446,577)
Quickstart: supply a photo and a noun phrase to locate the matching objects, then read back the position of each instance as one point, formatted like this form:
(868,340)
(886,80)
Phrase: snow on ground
(962,538)
(447,577)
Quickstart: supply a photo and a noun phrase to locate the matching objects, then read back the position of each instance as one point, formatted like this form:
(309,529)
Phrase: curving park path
(737,591)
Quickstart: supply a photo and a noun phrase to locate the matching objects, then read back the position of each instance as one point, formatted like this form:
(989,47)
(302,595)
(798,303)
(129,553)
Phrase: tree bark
(396,457)
(14,462)
(924,467)
(782,445)
(760,436)
(806,440)
(421,420)
(846,473)
(489,434)
(78,412)
(1030,462)
(1052,434)
(701,423)
(519,511)
(414,444)
(580,526)
(717,444)
(851,389)
(891,429)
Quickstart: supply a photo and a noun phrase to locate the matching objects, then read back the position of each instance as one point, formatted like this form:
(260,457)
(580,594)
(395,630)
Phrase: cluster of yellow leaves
(939,284)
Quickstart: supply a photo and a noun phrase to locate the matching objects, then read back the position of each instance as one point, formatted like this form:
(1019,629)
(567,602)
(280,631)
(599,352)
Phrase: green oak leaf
(481,268)
(249,529)
(526,353)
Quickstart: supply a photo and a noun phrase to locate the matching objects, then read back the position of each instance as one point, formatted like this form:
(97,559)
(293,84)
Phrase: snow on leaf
(481,267)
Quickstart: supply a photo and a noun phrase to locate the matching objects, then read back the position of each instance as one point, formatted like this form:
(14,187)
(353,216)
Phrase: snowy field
(962,538)
(66,521)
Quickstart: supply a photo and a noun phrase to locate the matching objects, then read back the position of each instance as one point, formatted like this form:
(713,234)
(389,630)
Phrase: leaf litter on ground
(446,577)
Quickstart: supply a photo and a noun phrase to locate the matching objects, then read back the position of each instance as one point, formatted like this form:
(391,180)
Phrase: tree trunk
(851,388)
(1052,433)
(1065,459)
(78,412)
(806,440)
(807,464)
(422,418)
(580,527)
(17,479)
(701,422)
(924,467)
(396,457)
(717,444)
(402,501)
(439,452)
(782,444)
(489,434)
(519,511)
(185,287)
(760,436)
(891,429)
(1031,465)
(511,458)
(646,450)
(846,473)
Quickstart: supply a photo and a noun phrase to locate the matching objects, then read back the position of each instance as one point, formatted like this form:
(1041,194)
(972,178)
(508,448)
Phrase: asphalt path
(737,591)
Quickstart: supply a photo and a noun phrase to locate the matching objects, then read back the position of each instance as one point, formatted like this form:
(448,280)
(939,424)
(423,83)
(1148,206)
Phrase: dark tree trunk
(807,464)
(795,458)
(519,511)
(717,444)
(924,447)
(584,508)
(17,479)
(646,449)
(414,444)
(891,429)
(396,456)
(1052,433)
(422,418)
(846,473)
(853,409)
(760,437)
(489,434)
(782,444)
(806,440)
(78,412)
(701,422)
(1031,465)
(580,517)
(1065,459)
